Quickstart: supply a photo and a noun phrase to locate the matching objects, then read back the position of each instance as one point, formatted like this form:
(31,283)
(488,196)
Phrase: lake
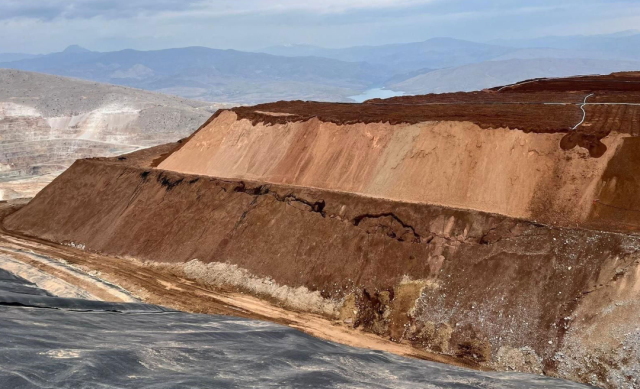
(375,93)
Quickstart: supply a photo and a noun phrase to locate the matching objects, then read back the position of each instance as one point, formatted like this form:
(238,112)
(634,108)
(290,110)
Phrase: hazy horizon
(259,49)
(45,26)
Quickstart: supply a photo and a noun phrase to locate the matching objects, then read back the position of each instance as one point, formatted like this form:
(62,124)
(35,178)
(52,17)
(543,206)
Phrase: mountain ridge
(213,74)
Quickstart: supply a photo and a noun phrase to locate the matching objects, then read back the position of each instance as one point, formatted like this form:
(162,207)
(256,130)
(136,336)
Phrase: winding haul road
(584,113)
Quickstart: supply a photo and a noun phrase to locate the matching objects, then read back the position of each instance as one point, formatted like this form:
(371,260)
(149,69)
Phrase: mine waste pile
(498,228)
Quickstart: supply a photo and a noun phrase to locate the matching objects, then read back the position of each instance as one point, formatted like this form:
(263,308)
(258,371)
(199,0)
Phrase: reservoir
(375,93)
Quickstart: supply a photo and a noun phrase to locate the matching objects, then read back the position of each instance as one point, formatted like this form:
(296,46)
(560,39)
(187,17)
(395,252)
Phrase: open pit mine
(47,122)
(496,230)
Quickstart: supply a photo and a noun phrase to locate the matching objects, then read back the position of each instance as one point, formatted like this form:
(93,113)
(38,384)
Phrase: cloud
(337,6)
(47,10)
(82,9)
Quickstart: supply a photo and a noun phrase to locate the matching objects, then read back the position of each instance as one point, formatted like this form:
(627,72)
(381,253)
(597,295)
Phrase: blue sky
(41,26)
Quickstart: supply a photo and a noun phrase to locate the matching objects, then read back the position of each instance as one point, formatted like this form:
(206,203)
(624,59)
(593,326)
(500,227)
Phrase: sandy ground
(53,266)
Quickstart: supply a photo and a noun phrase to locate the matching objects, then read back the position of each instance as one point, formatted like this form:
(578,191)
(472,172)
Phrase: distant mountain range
(406,57)
(313,73)
(213,75)
(8,57)
(622,45)
(489,74)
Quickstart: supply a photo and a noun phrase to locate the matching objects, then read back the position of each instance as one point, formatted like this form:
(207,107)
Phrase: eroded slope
(396,217)
(498,291)
(525,151)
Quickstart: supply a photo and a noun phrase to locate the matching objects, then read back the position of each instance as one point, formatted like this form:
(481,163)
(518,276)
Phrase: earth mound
(498,227)
(544,150)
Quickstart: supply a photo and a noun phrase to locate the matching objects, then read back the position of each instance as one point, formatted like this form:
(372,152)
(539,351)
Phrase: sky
(44,26)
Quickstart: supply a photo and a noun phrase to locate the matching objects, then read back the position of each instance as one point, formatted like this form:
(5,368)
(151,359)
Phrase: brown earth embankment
(454,164)
(504,292)
(540,150)
(478,225)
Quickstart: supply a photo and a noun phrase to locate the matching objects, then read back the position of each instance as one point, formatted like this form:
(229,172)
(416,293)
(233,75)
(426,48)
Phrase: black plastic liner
(51,342)
(17,291)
